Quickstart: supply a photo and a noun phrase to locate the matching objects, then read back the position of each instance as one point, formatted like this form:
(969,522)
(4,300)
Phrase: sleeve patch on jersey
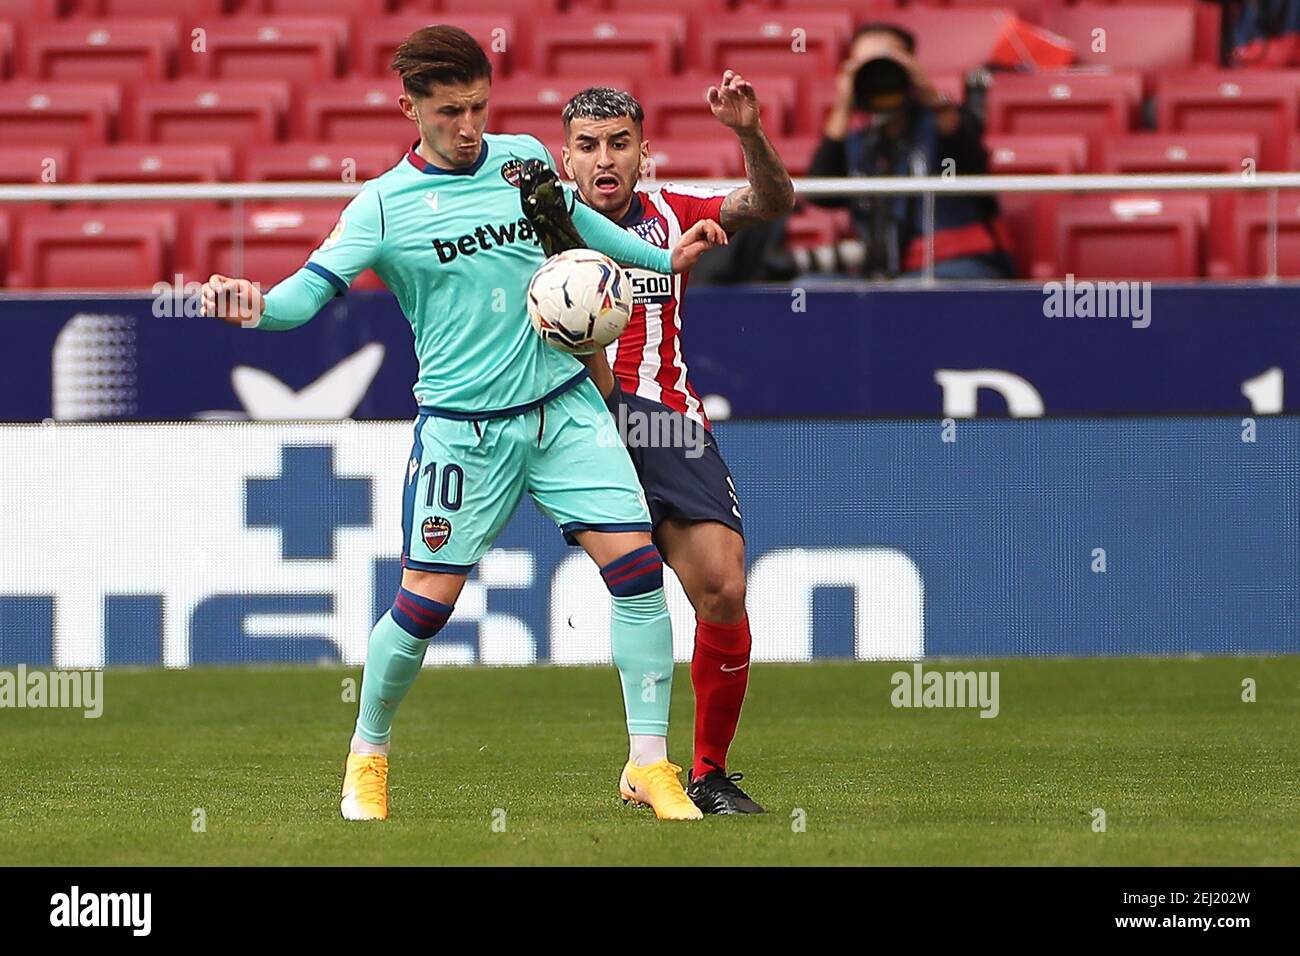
(335,234)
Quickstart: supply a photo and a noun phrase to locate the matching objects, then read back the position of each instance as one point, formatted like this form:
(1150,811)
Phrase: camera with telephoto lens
(880,85)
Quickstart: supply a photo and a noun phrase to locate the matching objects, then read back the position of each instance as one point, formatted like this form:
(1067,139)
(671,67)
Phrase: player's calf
(394,657)
(641,637)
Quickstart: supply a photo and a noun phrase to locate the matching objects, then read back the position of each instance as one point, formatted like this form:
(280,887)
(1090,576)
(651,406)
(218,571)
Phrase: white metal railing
(928,186)
(808,186)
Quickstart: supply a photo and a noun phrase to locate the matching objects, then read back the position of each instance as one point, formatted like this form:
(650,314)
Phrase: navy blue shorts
(678,462)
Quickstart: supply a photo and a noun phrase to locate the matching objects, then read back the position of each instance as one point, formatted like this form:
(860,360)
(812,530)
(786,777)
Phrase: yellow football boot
(657,785)
(365,787)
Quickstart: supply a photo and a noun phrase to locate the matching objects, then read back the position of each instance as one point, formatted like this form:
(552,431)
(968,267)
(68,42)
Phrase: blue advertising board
(779,352)
(205,543)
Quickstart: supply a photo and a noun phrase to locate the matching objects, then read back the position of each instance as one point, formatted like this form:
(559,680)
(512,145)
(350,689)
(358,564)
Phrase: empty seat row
(659,40)
(1265,103)
(354,161)
(1180,235)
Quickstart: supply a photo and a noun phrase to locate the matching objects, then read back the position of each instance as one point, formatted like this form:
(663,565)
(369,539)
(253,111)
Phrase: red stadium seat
(766,42)
(1152,39)
(621,43)
(4,248)
(184,10)
(1097,236)
(1208,24)
(1028,154)
(532,104)
(819,98)
(693,159)
(40,112)
(276,241)
(1030,215)
(335,162)
(331,8)
(796,152)
(352,111)
(678,106)
(375,39)
(862,10)
(270,48)
(215,111)
(1253,236)
(953,40)
(1191,153)
(705,7)
(1253,101)
(108,50)
(157,163)
(1179,152)
(29,10)
(92,248)
(520,8)
(1091,104)
(6,49)
(810,226)
(36,164)
(1032,11)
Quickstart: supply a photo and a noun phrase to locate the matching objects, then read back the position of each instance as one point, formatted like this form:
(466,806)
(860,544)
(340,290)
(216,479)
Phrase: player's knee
(721,598)
(640,571)
(419,616)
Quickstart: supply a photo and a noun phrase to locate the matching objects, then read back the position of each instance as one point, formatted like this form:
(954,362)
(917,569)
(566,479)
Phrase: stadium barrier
(214,543)
(861,352)
(1249,180)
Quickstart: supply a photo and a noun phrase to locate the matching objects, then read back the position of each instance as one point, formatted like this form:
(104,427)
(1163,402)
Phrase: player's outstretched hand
(236,301)
(734,103)
(696,241)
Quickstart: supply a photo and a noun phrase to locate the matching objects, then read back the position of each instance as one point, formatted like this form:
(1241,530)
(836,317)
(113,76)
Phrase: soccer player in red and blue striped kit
(693,503)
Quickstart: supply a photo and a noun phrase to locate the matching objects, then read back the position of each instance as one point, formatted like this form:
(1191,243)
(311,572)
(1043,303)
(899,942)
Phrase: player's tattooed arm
(770,193)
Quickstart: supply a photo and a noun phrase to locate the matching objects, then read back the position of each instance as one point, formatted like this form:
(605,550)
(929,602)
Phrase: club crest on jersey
(436,531)
(511,170)
(652,231)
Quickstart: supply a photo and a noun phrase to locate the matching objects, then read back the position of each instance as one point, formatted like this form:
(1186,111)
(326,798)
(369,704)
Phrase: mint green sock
(641,637)
(393,661)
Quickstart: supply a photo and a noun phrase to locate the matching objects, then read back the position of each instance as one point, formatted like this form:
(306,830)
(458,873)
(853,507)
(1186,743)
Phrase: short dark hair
(439,54)
(902,36)
(602,102)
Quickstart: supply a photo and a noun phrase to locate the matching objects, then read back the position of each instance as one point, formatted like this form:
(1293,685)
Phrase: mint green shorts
(464,479)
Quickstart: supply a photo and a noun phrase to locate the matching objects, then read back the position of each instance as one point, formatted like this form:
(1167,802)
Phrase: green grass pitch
(1186,772)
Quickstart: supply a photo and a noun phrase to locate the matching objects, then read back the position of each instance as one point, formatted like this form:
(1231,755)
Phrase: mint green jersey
(455,249)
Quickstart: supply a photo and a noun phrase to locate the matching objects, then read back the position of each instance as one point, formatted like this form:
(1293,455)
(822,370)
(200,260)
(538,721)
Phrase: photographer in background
(913,130)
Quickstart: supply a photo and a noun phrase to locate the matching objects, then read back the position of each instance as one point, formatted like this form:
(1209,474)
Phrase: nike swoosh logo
(730,670)
(336,394)
(631,787)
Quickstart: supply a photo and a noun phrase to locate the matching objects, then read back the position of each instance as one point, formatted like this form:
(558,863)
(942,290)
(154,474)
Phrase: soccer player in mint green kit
(500,413)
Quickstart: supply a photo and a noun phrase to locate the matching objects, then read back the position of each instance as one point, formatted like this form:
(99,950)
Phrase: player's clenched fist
(236,301)
(696,241)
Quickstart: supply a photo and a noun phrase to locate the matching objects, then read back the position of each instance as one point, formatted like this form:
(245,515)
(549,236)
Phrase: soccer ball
(579,301)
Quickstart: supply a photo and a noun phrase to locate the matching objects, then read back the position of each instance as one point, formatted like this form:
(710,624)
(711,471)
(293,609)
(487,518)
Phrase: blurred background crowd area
(206,91)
